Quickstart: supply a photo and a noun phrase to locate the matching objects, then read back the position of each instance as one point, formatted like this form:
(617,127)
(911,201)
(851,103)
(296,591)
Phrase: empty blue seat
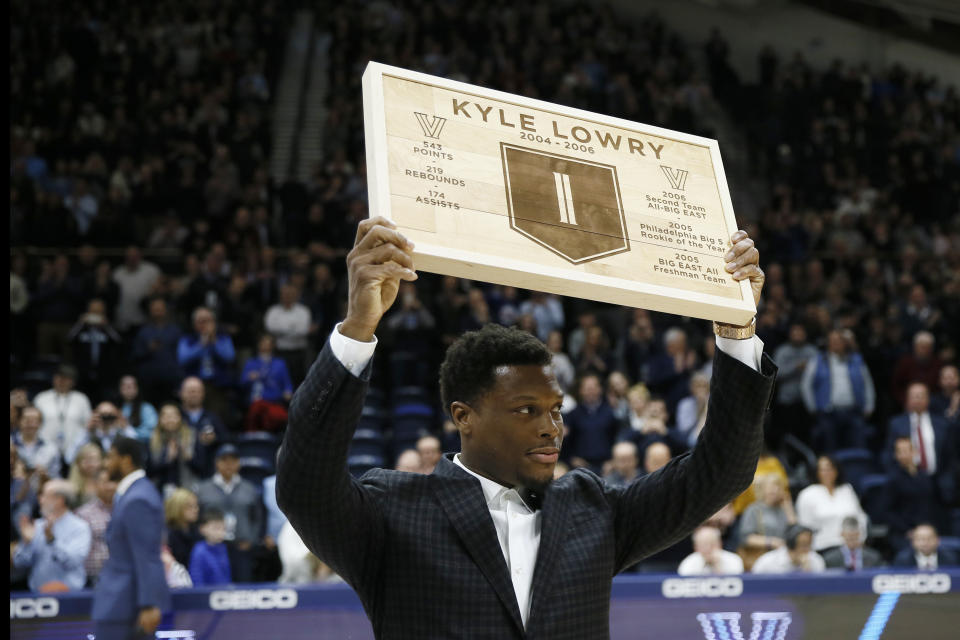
(360,464)
(950,543)
(856,463)
(255,469)
(412,427)
(411,394)
(374,399)
(373,419)
(409,368)
(367,442)
(259,444)
(872,496)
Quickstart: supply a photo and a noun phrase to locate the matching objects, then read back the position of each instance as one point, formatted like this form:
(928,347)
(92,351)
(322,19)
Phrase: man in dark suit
(925,552)
(910,497)
(926,431)
(132,589)
(852,555)
(591,426)
(489,545)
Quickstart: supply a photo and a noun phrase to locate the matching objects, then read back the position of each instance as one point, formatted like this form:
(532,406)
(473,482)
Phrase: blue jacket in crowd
(209,564)
(209,362)
(271,382)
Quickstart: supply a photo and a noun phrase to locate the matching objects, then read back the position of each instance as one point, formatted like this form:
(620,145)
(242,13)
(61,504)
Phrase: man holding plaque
(489,545)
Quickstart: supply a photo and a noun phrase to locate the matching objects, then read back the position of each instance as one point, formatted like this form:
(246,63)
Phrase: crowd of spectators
(144,131)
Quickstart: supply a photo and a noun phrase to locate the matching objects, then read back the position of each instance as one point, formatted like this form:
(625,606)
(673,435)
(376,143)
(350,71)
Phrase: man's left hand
(743,261)
(149,619)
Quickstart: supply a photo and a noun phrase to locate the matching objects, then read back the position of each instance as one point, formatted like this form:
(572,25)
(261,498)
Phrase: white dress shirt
(128,480)
(65,417)
(290,327)
(922,420)
(824,513)
(518,531)
(696,565)
(928,563)
(778,561)
(517,526)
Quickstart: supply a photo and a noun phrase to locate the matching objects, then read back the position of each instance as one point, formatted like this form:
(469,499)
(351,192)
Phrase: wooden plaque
(500,188)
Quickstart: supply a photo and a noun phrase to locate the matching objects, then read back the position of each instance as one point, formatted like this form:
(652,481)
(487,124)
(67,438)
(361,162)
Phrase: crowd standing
(145,132)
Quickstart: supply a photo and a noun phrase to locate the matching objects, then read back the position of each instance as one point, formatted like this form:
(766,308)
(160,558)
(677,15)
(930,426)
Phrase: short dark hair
(125,446)
(211,514)
(469,368)
(793,532)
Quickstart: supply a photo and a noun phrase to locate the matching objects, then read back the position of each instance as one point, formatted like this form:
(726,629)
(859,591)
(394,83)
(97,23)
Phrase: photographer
(105,424)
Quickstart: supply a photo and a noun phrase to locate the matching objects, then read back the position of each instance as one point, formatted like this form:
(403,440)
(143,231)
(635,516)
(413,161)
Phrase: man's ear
(462,416)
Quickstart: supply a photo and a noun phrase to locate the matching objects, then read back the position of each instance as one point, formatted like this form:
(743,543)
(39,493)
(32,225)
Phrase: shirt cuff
(749,352)
(352,354)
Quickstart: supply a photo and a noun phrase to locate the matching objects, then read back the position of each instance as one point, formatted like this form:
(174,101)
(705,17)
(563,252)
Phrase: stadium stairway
(289,93)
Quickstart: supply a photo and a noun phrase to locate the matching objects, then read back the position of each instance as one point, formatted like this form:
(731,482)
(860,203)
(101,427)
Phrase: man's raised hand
(381,257)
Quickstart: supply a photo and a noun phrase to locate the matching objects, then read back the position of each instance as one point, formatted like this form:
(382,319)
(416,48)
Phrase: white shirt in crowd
(922,420)
(696,565)
(517,526)
(778,561)
(824,513)
(294,556)
(134,286)
(924,562)
(290,327)
(65,417)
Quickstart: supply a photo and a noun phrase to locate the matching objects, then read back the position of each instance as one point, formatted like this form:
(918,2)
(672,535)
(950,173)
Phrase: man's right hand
(380,259)
(27,528)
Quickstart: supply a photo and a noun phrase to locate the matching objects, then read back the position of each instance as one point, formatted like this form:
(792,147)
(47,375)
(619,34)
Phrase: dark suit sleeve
(662,508)
(905,559)
(144,524)
(335,515)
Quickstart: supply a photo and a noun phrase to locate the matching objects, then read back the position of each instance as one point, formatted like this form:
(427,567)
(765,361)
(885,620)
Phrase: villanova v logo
(431,125)
(726,624)
(677,177)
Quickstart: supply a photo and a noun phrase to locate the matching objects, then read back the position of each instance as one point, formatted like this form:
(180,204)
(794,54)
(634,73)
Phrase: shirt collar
(492,491)
(227,487)
(128,480)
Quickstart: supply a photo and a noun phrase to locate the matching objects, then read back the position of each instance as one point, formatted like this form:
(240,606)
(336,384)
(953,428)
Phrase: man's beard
(535,485)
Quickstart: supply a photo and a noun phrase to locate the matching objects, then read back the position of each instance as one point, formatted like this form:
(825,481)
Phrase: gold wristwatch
(737,332)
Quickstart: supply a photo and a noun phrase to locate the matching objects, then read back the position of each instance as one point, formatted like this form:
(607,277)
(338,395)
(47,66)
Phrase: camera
(108,418)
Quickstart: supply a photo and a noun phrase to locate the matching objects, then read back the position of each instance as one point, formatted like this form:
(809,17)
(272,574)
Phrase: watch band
(736,332)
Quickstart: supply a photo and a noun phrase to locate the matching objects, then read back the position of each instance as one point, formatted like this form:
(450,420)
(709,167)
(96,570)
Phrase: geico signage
(253,599)
(34,607)
(702,587)
(911,583)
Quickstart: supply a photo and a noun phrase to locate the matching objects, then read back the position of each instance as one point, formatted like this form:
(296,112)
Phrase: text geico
(34,607)
(729,587)
(234,600)
(911,583)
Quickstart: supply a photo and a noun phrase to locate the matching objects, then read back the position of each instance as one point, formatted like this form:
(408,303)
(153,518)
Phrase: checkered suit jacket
(421,551)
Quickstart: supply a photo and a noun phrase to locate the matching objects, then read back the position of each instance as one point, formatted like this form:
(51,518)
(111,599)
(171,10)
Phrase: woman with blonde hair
(171,450)
(763,526)
(84,470)
(181,512)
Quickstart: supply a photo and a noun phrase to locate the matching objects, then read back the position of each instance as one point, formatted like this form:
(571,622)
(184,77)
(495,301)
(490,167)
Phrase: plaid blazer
(421,551)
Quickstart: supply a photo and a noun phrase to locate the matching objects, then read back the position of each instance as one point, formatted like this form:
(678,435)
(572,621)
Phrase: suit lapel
(552,534)
(461,497)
